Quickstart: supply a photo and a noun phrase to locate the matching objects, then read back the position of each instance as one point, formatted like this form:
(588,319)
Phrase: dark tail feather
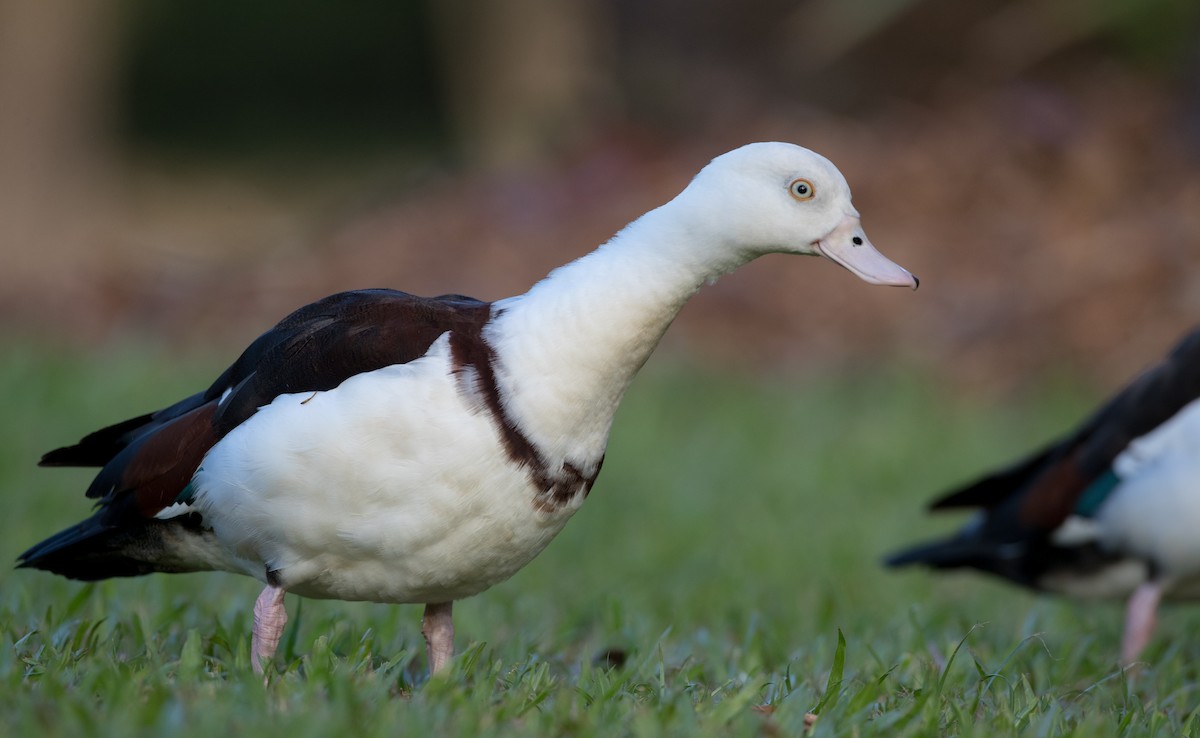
(97,448)
(949,553)
(1009,561)
(95,549)
(993,489)
(89,551)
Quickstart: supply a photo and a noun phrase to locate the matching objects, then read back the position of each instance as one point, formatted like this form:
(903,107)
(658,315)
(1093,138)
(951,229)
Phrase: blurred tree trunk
(525,78)
(55,84)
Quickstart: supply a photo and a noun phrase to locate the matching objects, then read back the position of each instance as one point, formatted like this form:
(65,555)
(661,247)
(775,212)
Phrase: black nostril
(856,241)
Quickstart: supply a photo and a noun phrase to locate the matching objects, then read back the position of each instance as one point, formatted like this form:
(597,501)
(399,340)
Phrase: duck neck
(568,348)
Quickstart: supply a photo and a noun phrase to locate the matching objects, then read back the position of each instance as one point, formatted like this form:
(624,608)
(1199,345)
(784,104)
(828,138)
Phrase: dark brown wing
(1050,480)
(1024,503)
(146,462)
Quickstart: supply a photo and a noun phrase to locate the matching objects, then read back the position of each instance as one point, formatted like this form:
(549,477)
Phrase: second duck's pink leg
(1140,616)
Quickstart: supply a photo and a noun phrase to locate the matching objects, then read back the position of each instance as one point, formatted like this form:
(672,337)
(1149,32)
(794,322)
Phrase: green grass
(729,551)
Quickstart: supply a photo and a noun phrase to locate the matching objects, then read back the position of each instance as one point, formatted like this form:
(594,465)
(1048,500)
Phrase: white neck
(569,347)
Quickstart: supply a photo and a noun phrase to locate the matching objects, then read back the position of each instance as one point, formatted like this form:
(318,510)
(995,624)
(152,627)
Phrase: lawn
(722,579)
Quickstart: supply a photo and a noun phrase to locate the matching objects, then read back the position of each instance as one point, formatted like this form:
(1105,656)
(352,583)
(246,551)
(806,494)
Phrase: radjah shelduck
(1111,510)
(379,446)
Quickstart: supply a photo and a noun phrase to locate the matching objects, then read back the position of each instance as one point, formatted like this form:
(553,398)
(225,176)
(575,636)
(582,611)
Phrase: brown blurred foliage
(1045,191)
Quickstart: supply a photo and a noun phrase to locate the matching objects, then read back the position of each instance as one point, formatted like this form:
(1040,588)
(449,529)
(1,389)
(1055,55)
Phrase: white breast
(393,487)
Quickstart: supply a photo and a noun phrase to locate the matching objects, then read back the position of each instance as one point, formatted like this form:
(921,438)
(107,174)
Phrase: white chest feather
(1155,512)
(393,487)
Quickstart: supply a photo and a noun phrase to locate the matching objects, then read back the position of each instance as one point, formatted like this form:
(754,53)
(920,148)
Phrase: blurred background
(190,172)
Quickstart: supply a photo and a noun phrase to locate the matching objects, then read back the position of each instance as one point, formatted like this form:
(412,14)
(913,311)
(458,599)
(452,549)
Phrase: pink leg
(1139,620)
(438,629)
(269,619)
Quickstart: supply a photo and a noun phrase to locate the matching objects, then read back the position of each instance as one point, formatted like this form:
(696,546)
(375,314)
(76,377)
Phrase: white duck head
(782,198)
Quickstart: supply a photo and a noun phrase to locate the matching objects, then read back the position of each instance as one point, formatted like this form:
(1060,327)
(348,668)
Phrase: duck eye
(802,189)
